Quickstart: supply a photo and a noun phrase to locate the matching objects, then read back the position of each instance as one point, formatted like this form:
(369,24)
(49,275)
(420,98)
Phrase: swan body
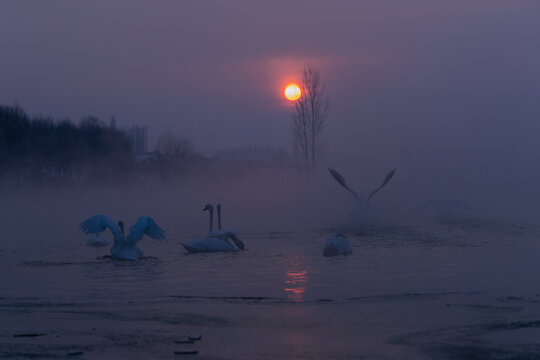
(124,247)
(337,246)
(215,244)
(97,241)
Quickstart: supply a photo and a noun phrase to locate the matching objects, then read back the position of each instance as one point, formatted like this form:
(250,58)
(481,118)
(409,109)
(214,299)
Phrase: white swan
(124,248)
(97,241)
(215,244)
(337,246)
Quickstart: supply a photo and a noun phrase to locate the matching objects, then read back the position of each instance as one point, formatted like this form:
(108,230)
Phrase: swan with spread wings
(341,181)
(124,247)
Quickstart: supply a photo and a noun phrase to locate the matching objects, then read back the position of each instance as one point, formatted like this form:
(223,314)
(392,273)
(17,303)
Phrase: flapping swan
(215,244)
(97,240)
(341,181)
(124,248)
(337,246)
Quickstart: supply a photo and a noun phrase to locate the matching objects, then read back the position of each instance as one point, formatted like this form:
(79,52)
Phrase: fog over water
(447,93)
(444,262)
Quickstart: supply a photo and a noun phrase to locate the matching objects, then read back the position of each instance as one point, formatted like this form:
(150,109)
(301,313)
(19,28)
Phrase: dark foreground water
(445,289)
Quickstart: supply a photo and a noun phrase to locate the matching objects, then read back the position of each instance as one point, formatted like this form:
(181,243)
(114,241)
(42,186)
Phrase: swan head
(239,244)
(208,207)
(121,224)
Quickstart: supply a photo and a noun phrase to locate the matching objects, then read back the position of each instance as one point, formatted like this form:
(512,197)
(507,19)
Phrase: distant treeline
(41,148)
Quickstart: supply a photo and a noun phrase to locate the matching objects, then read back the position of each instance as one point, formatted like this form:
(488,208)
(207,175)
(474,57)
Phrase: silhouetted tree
(172,153)
(174,149)
(309,117)
(14,124)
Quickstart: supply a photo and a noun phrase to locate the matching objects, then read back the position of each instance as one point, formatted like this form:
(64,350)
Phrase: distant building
(138,135)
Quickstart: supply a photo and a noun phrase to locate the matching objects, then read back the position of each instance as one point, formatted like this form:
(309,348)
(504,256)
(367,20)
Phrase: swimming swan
(337,246)
(215,244)
(124,248)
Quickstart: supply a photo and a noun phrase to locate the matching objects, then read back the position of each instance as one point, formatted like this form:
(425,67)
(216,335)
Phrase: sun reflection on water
(296,279)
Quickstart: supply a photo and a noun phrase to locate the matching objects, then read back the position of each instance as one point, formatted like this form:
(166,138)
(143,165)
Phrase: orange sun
(292,92)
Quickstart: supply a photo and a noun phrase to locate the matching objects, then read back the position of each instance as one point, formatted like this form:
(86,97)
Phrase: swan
(214,244)
(124,248)
(337,246)
(97,240)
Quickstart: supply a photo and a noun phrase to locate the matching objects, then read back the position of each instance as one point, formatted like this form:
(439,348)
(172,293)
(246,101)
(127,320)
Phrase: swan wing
(145,226)
(387,178)
(341,181)
(99,223)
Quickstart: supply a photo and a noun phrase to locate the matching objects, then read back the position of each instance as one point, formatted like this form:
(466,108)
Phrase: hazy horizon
(445,92)
(214,71)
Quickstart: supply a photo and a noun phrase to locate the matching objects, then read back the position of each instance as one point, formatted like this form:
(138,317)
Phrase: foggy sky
(422,80)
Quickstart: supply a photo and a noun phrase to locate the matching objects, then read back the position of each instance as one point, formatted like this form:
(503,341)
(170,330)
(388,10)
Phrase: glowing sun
(292,92)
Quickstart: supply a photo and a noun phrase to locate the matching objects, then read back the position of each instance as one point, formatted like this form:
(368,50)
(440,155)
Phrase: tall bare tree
(310,113)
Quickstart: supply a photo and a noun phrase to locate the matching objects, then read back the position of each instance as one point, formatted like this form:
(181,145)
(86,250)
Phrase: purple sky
(402,76)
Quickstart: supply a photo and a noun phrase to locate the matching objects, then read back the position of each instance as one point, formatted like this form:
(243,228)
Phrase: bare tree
(310,113)
(172,148)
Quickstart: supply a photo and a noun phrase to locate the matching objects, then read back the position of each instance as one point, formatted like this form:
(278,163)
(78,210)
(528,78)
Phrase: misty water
(441,280)
(286,266)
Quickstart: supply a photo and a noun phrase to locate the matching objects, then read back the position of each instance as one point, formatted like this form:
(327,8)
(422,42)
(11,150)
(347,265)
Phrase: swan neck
(219,216)
(120,239)
(211,211)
